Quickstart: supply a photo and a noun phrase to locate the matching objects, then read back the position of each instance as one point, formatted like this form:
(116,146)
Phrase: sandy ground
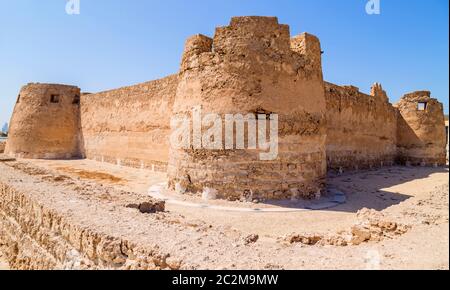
(414,197)
(3,263)
(379,190)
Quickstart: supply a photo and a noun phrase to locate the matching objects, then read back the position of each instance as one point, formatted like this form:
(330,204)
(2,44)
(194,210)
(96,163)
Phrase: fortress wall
(45,123)
(361,128)
(421,130)
(130,126)
(253,67)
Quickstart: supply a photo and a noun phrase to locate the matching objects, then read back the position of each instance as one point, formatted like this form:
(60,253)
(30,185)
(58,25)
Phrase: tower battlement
(250,39)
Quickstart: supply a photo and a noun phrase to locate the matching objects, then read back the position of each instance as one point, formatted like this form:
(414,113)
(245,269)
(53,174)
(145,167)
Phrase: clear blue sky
(113,43)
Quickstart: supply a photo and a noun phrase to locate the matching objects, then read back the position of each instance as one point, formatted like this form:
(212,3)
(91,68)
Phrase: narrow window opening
(18,99)
(54,99)
(422,106)
(76,100)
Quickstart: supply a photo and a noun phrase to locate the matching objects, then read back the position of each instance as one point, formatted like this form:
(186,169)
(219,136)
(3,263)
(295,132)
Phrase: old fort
(252,66)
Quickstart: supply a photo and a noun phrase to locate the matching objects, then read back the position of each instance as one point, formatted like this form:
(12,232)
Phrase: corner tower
(46,123)
(253,67)
(421,130)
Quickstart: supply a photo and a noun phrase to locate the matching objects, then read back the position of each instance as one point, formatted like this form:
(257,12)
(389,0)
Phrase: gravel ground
(403,210)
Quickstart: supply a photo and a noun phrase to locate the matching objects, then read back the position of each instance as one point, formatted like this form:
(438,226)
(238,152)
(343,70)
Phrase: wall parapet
(361,128)
(130,125)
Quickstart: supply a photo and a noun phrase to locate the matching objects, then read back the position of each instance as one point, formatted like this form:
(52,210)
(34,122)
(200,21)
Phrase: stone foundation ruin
(252,66)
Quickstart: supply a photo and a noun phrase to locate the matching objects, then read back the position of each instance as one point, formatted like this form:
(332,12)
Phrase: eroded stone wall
(421,130)
(46,123)
(37,232)
(130,126)
(253,67)
(361,129)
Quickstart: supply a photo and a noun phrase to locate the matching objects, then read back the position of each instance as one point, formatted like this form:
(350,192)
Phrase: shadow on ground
(366,189)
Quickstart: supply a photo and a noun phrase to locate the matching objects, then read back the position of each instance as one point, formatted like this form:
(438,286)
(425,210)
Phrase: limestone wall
(253,67)
(361,129)
(45,123)
(129,126)
(2,146)
(39,232)
(421,130)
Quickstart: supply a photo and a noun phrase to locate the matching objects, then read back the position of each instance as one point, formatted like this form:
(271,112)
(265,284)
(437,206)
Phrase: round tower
(251,79)
(421,130)
(45,123)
